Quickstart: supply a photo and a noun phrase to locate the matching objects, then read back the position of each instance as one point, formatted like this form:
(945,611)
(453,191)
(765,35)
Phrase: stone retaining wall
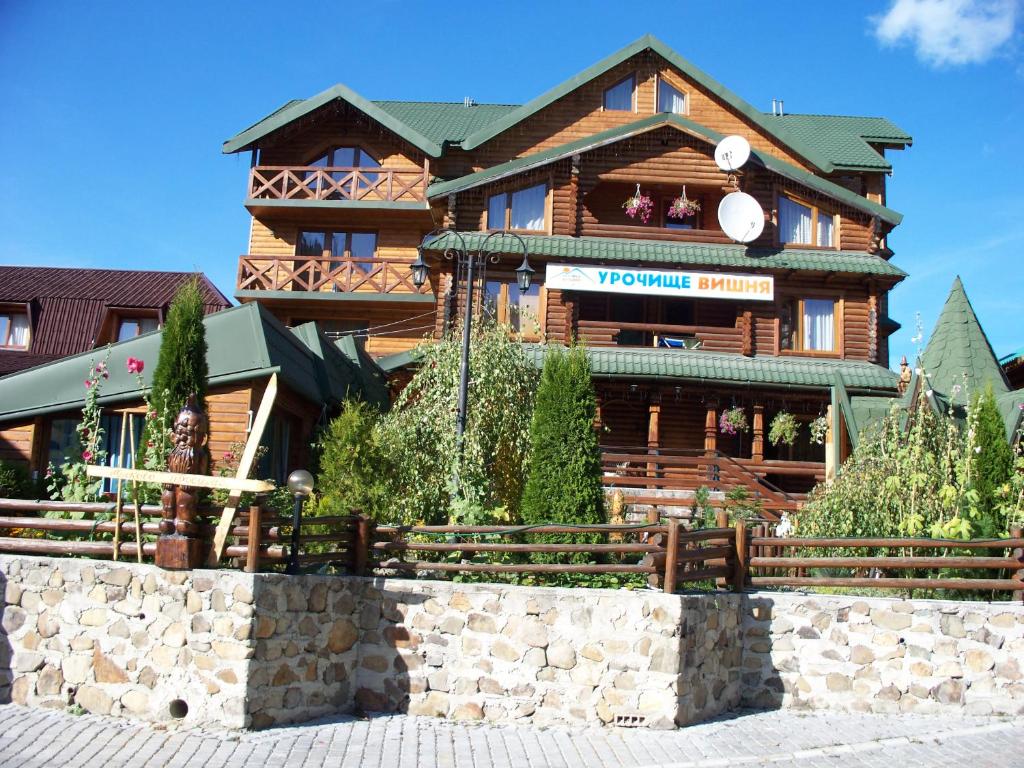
(883,655)
(237,650)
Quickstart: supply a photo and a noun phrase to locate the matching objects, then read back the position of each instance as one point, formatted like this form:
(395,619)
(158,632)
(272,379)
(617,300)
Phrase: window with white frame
(670,99)
(14,330)
(521,209)
(619,97)
(804,224)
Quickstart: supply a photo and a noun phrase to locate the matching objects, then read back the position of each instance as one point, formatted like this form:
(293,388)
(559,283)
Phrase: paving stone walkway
(31,738)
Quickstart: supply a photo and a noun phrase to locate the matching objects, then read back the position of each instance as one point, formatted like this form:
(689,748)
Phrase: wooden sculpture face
(188,438)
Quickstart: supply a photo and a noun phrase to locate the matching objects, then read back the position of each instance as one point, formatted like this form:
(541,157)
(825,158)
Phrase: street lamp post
(474,265)
(300,483)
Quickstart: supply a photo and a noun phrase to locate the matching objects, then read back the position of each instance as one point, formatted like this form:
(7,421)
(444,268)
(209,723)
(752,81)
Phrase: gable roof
(653,122)
(846,140)
(243,343)
(293,110)
(958,359)
(704,80)
(613,249)
(829,143)
(68,305)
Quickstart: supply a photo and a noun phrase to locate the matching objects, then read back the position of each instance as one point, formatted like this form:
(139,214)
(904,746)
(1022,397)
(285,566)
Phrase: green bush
(991,461)
(15,482)
(181,369)
(563,484)
(418,433)
(354,470)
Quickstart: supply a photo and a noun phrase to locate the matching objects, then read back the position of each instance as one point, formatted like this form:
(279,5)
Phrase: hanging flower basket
(732,421)
(639,205)
(682,207)
(819,428)
(783,429)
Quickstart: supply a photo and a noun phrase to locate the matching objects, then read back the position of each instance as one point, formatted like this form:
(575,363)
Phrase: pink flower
(86,455)
(135,365)
(88,383)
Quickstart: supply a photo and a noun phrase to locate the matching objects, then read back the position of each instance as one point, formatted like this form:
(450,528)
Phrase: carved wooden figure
(179,545)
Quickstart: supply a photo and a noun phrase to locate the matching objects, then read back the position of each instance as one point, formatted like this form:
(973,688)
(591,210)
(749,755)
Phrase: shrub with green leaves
(354,470)
(564,480)
(418,433)
(991,460)
(15,482)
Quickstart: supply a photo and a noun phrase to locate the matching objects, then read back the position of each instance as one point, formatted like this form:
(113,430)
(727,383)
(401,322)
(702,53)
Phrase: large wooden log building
(342,190)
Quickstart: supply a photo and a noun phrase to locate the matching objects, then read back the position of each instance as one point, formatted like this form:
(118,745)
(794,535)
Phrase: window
(523,209)
(63,441)
(14,331)
(359,248)
(809,325)
(620,96)
(111,424)
(130,327)
(670,99)
(504,302)
(347,157)
(804,224)
(689,222)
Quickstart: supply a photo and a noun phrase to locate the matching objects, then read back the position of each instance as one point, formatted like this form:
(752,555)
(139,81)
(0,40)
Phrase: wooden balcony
(365,186)
(612,333)
(332,275)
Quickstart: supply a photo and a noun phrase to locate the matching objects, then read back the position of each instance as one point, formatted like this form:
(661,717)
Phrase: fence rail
(672,556)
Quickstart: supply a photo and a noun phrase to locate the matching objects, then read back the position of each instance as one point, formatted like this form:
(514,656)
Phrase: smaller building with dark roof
(47,313)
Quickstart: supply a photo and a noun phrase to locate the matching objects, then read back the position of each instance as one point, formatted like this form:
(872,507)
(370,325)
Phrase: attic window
(14,330)
(130,327)
(619,97)
(670,99)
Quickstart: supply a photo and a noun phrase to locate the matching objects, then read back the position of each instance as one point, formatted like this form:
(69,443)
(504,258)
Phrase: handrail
(344,274)
(289,182)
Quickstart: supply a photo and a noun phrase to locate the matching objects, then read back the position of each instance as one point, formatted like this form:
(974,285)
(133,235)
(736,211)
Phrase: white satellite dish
(741,217)
(731,153)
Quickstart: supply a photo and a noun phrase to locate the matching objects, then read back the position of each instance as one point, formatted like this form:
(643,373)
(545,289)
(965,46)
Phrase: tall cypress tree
(563,484)
(992,460)
(181,369)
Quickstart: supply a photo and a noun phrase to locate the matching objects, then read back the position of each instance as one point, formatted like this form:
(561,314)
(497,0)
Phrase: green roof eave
(247,138)
(395,298)
(698,75)
(790,373)
(730,256)
(653,122)
(391,363)
(381,205)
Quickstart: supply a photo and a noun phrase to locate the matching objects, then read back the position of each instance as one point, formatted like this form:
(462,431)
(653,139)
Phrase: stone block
(479,622)
(434,704)
(93,700)
(561,654)
(342,636)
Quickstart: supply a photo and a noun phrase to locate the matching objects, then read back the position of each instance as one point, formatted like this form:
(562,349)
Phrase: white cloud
(949,32)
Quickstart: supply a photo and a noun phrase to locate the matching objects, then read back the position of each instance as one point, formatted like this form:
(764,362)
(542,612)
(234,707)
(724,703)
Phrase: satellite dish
(731,153)
(741,217)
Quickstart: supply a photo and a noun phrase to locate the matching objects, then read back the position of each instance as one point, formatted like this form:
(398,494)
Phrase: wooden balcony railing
(381,185)
(611,333)
(343,275)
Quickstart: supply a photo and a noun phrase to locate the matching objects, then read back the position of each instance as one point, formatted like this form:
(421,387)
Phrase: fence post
(671,555)
(1018,552)
(739,574)
(361,546)
(252,557)
(721,518)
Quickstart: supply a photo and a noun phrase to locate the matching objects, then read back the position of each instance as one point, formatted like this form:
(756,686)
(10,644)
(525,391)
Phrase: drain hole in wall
(178,709)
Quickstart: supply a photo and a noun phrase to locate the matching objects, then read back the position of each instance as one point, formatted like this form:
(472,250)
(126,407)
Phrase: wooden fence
(669,556)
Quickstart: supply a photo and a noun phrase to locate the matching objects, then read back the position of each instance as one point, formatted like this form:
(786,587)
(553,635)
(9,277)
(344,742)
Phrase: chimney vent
(468,101)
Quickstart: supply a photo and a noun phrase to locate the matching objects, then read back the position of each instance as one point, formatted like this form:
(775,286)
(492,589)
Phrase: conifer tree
(563,483)
(992,459)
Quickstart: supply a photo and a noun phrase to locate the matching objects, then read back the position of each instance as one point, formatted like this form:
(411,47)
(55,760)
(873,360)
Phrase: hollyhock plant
(135,366)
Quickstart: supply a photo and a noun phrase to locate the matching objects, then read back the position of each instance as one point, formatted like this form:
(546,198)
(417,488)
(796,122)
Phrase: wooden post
(721,518)
(757,444)
(119,506)
(1015,533)
(361,546)
(252,556)
(653,439)
(711,431)
(672,556)
(135,493)
(739,574)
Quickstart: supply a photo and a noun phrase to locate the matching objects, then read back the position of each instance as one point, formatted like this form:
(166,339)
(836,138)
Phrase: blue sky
(113,117)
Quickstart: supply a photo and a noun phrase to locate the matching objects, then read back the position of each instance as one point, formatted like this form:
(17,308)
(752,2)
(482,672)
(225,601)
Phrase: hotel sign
(660,282)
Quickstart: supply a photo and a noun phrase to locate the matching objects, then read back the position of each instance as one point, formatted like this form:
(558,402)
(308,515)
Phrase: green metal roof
(844,139)
(371,377)
(243,343)
(958,348)
(443,121)
(294,110)
(389,363)
(620,133)
(724,368)
(601,249)
(1016,356)
(828,143)
(649,42)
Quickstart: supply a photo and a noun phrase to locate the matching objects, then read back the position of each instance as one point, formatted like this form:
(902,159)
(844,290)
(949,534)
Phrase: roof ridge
(446,103)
